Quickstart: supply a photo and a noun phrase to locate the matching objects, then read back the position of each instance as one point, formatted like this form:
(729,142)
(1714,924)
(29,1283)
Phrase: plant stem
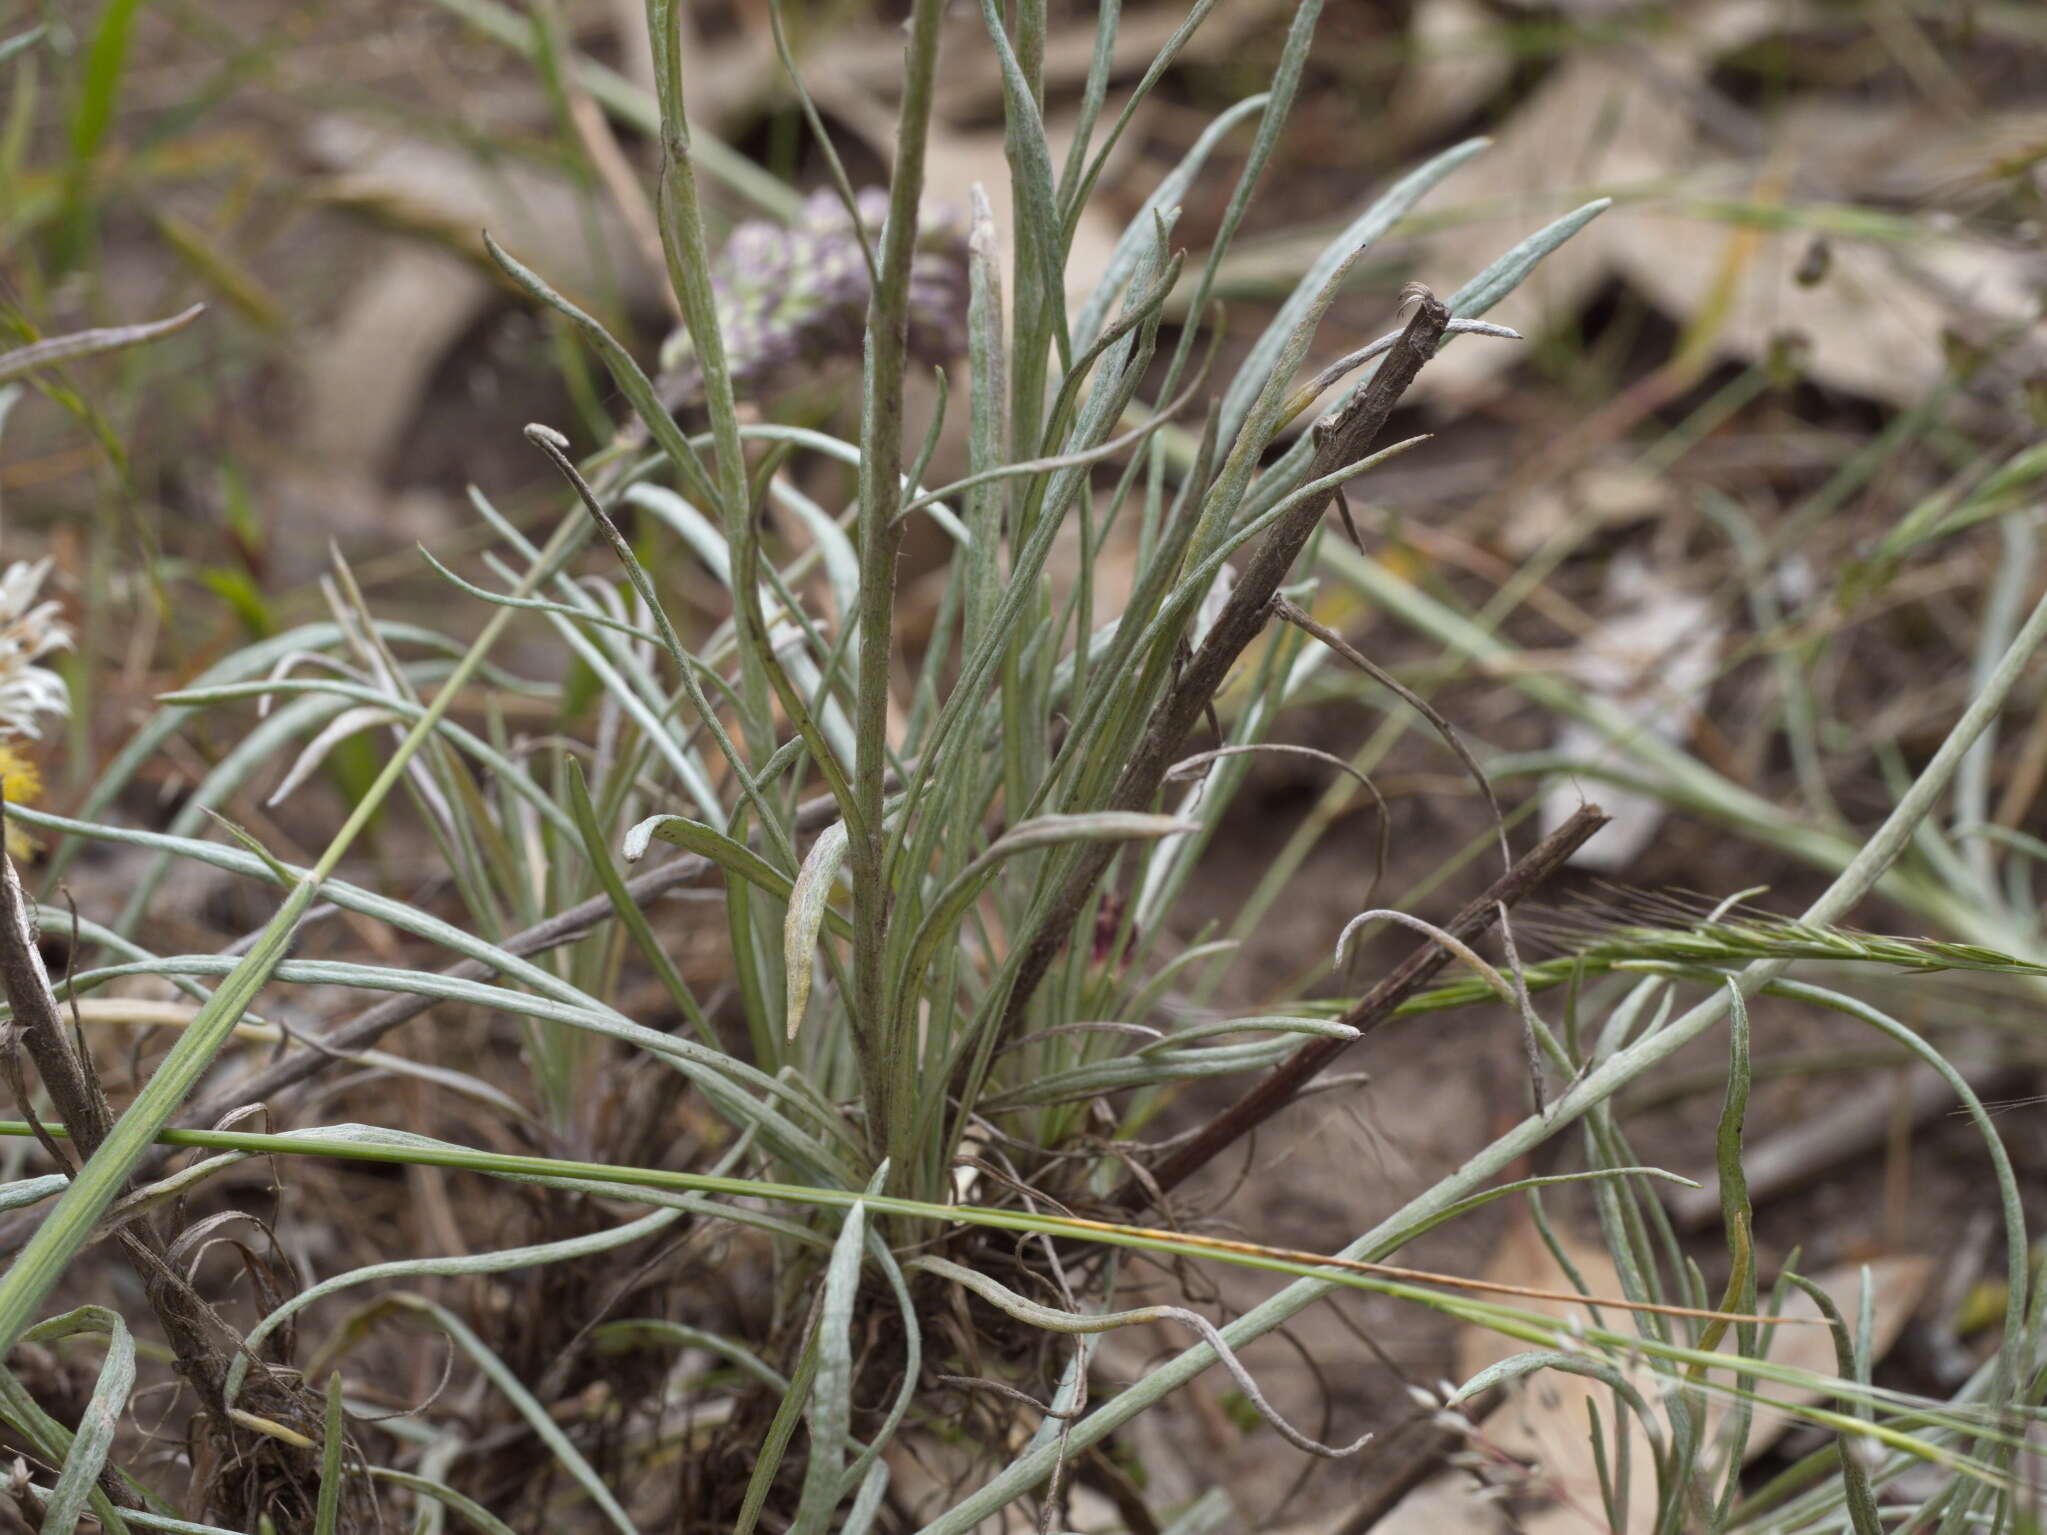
(69,1225)
(689,272)
(1340,439)
(880,541)
(1853,883)
(1371,1010)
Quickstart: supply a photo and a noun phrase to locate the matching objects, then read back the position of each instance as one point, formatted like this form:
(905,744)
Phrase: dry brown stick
(37,1026)
(1371,1010)
(200,1339)
(1340,438)
(363,1031)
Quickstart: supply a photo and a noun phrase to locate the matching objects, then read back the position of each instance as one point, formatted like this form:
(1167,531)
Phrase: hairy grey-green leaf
(809,899)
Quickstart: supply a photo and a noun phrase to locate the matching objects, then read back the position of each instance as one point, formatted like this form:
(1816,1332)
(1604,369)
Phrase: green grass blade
(69,1224)
(333,1441)
(629,913)
(92,119)
(775,1443)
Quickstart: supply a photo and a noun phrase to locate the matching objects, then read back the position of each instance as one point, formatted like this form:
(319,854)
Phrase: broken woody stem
(1374,1008)
(1341,438)
(201,1342)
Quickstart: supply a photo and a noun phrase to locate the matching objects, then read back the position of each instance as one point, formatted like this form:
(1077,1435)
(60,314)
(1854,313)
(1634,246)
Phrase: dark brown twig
(1341,438)
(200,1339)
(1371,1010)
(37,1025)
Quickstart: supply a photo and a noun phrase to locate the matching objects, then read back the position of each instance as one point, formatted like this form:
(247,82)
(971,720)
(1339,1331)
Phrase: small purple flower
(791,297)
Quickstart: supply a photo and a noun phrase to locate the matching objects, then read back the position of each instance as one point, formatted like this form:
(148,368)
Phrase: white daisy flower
(29,630)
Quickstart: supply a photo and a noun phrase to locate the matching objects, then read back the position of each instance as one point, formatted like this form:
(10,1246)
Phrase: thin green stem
(688,253)
(1598,1086)
(879,541)
(68,1226)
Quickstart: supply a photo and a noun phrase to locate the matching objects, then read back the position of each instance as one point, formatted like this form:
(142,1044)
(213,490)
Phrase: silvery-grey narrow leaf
(1030,172)
(1391,206)
(1108,20)
(1512,269)
(735,858)
(1074,199)
(987,417)
(1286,79)
(79,1476)
(1219,508)
(867,1502)
(528,1407)
(1136,239)
(503,1260)
(808,901)
(1468,302)
(20,43)
(841,563)
(23,1192)
(24,360)
(830,1409)
(348,723)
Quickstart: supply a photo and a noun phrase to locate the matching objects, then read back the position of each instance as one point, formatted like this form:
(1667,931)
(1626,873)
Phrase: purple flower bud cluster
(791,297)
